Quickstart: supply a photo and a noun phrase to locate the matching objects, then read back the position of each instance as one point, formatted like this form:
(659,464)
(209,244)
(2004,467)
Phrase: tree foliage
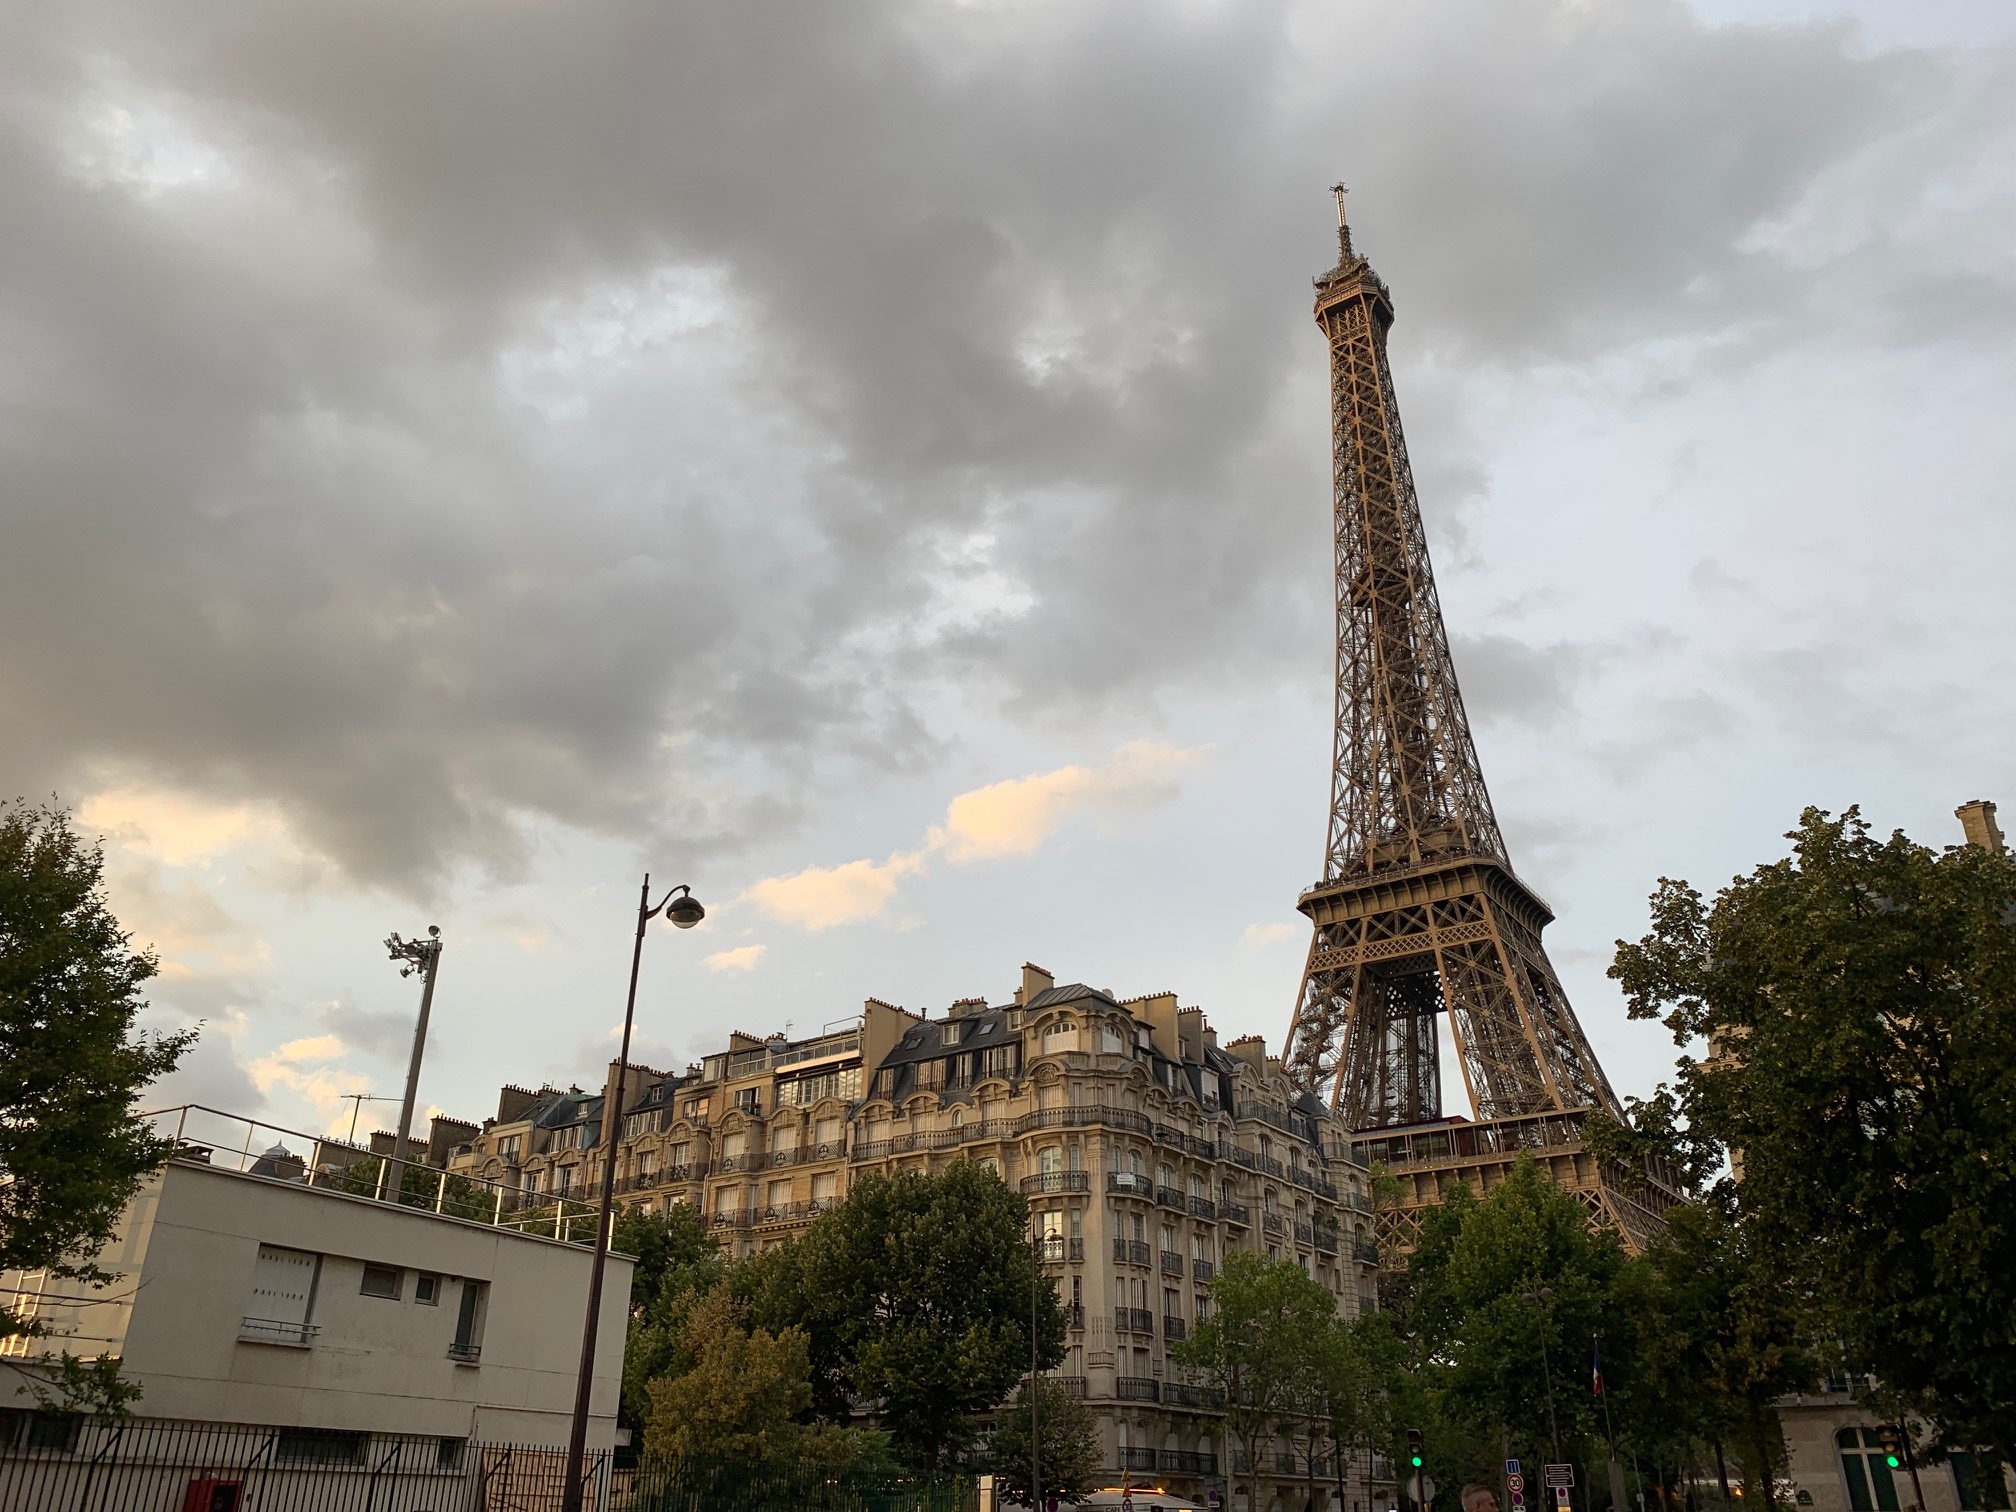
(1068,1438)
(71,1061)
(916,1292)
(1858,1002)
(739,1394)
(1264,1346)
(678,1262)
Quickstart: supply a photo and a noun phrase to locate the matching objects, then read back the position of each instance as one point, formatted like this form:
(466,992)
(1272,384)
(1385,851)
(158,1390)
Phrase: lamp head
(684,910)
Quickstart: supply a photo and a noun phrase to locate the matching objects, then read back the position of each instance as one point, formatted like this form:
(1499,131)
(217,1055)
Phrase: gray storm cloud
(444,419)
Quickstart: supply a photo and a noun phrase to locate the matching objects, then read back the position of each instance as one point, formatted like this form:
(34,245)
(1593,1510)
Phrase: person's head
(1478,1498)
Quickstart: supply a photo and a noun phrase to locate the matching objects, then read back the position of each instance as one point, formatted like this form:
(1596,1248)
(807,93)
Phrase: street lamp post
(684,910)
(1035,1455)
(423,956)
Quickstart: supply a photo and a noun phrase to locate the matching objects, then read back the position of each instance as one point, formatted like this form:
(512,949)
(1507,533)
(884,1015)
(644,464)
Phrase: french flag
(1596,1367)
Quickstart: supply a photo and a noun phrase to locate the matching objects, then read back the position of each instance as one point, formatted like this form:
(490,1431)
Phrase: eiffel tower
(1419,912)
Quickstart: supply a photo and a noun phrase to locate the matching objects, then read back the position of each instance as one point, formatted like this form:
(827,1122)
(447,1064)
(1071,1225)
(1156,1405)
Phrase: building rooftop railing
(252,1147)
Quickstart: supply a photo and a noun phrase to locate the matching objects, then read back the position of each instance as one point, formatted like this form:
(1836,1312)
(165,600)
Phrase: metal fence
(711,1485)
(208,1136)
(63,1462)
(66,1462)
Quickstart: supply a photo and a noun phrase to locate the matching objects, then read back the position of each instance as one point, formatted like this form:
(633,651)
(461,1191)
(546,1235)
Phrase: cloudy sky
(870,462)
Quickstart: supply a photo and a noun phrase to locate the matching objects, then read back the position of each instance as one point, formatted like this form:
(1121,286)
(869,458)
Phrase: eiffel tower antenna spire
(1418,913)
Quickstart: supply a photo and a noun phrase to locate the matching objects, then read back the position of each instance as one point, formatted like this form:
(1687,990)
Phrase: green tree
(1264,1346)
(1720,1338)
(1356,1370)
(916,1291)
(1510,1294)
(678,1262)
(1858,1004)
(71,1061)
(1069,1440)
(740,1393)
(675,1242)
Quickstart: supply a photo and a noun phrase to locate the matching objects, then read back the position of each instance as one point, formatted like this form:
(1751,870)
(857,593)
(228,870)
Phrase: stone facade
(1144,1148)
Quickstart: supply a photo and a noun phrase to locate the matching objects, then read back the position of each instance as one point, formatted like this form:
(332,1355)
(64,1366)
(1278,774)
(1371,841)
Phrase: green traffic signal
(1417,1462)
(1889,1459)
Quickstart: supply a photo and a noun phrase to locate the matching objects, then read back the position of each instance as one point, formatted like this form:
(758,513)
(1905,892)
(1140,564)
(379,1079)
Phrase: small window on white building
(382,1281)
(427,1289)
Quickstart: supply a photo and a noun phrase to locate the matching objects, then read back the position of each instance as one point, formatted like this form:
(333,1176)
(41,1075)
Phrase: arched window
(1870,1486)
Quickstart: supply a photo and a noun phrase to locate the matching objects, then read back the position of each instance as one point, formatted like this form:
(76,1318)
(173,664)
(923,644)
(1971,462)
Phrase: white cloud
(741,958)
(306,1068)
(1008,818)
(821,897)
(178,828)
(1015,817)
(1270,934)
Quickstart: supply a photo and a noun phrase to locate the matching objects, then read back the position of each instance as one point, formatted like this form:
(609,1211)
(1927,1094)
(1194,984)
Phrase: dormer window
(951,1034)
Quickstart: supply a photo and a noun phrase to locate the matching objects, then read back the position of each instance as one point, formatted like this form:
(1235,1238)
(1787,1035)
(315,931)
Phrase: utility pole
(423,956)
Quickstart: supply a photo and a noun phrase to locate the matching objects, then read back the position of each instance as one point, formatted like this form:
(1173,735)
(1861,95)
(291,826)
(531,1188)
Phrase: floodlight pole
(423,956)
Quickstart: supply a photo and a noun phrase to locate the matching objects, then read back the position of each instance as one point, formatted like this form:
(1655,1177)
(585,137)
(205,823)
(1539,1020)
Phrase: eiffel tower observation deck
(1419,912)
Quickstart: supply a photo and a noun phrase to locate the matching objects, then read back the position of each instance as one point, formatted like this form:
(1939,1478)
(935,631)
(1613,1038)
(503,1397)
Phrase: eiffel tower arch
(1419,914)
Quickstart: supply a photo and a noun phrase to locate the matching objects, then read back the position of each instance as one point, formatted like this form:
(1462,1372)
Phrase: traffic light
(1893,1445)
(1414,1448)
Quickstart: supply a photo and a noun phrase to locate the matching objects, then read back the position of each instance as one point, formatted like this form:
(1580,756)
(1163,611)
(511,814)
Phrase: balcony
(1202,1270)
(1284,1464)
(1131,1251)
(1133,1320)
(1137,1389)
(1170,1197)
(1199,1398)
(1173,1328)
(1138,1459)
(1055,1249)
(1365,1249)
(1046,1183)
(1071,1386)
(1305,1232)
(1074,1314)
(1202,1207)
(1235,1212)
(730,1164)
(1271,1223)
(1172,1263)
(1187,1462)
(1129,1184)
(273,1331)
(1326,1240)
(465,1354)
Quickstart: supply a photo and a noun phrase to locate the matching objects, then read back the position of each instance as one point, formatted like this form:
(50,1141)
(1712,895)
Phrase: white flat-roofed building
(252,1291)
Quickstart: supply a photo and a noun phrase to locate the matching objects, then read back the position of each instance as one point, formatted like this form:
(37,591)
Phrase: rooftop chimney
(1034,980)
(1977,822)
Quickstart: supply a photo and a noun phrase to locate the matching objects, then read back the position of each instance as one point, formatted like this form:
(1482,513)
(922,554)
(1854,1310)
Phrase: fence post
(440,1191)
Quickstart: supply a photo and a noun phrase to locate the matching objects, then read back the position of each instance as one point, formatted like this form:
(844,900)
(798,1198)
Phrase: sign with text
(1560,1475)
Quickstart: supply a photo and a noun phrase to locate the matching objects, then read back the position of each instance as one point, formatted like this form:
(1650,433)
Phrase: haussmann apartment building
(1145,1149)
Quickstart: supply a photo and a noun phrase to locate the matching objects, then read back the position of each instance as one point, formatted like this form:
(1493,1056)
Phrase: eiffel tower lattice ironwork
(1419,912)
